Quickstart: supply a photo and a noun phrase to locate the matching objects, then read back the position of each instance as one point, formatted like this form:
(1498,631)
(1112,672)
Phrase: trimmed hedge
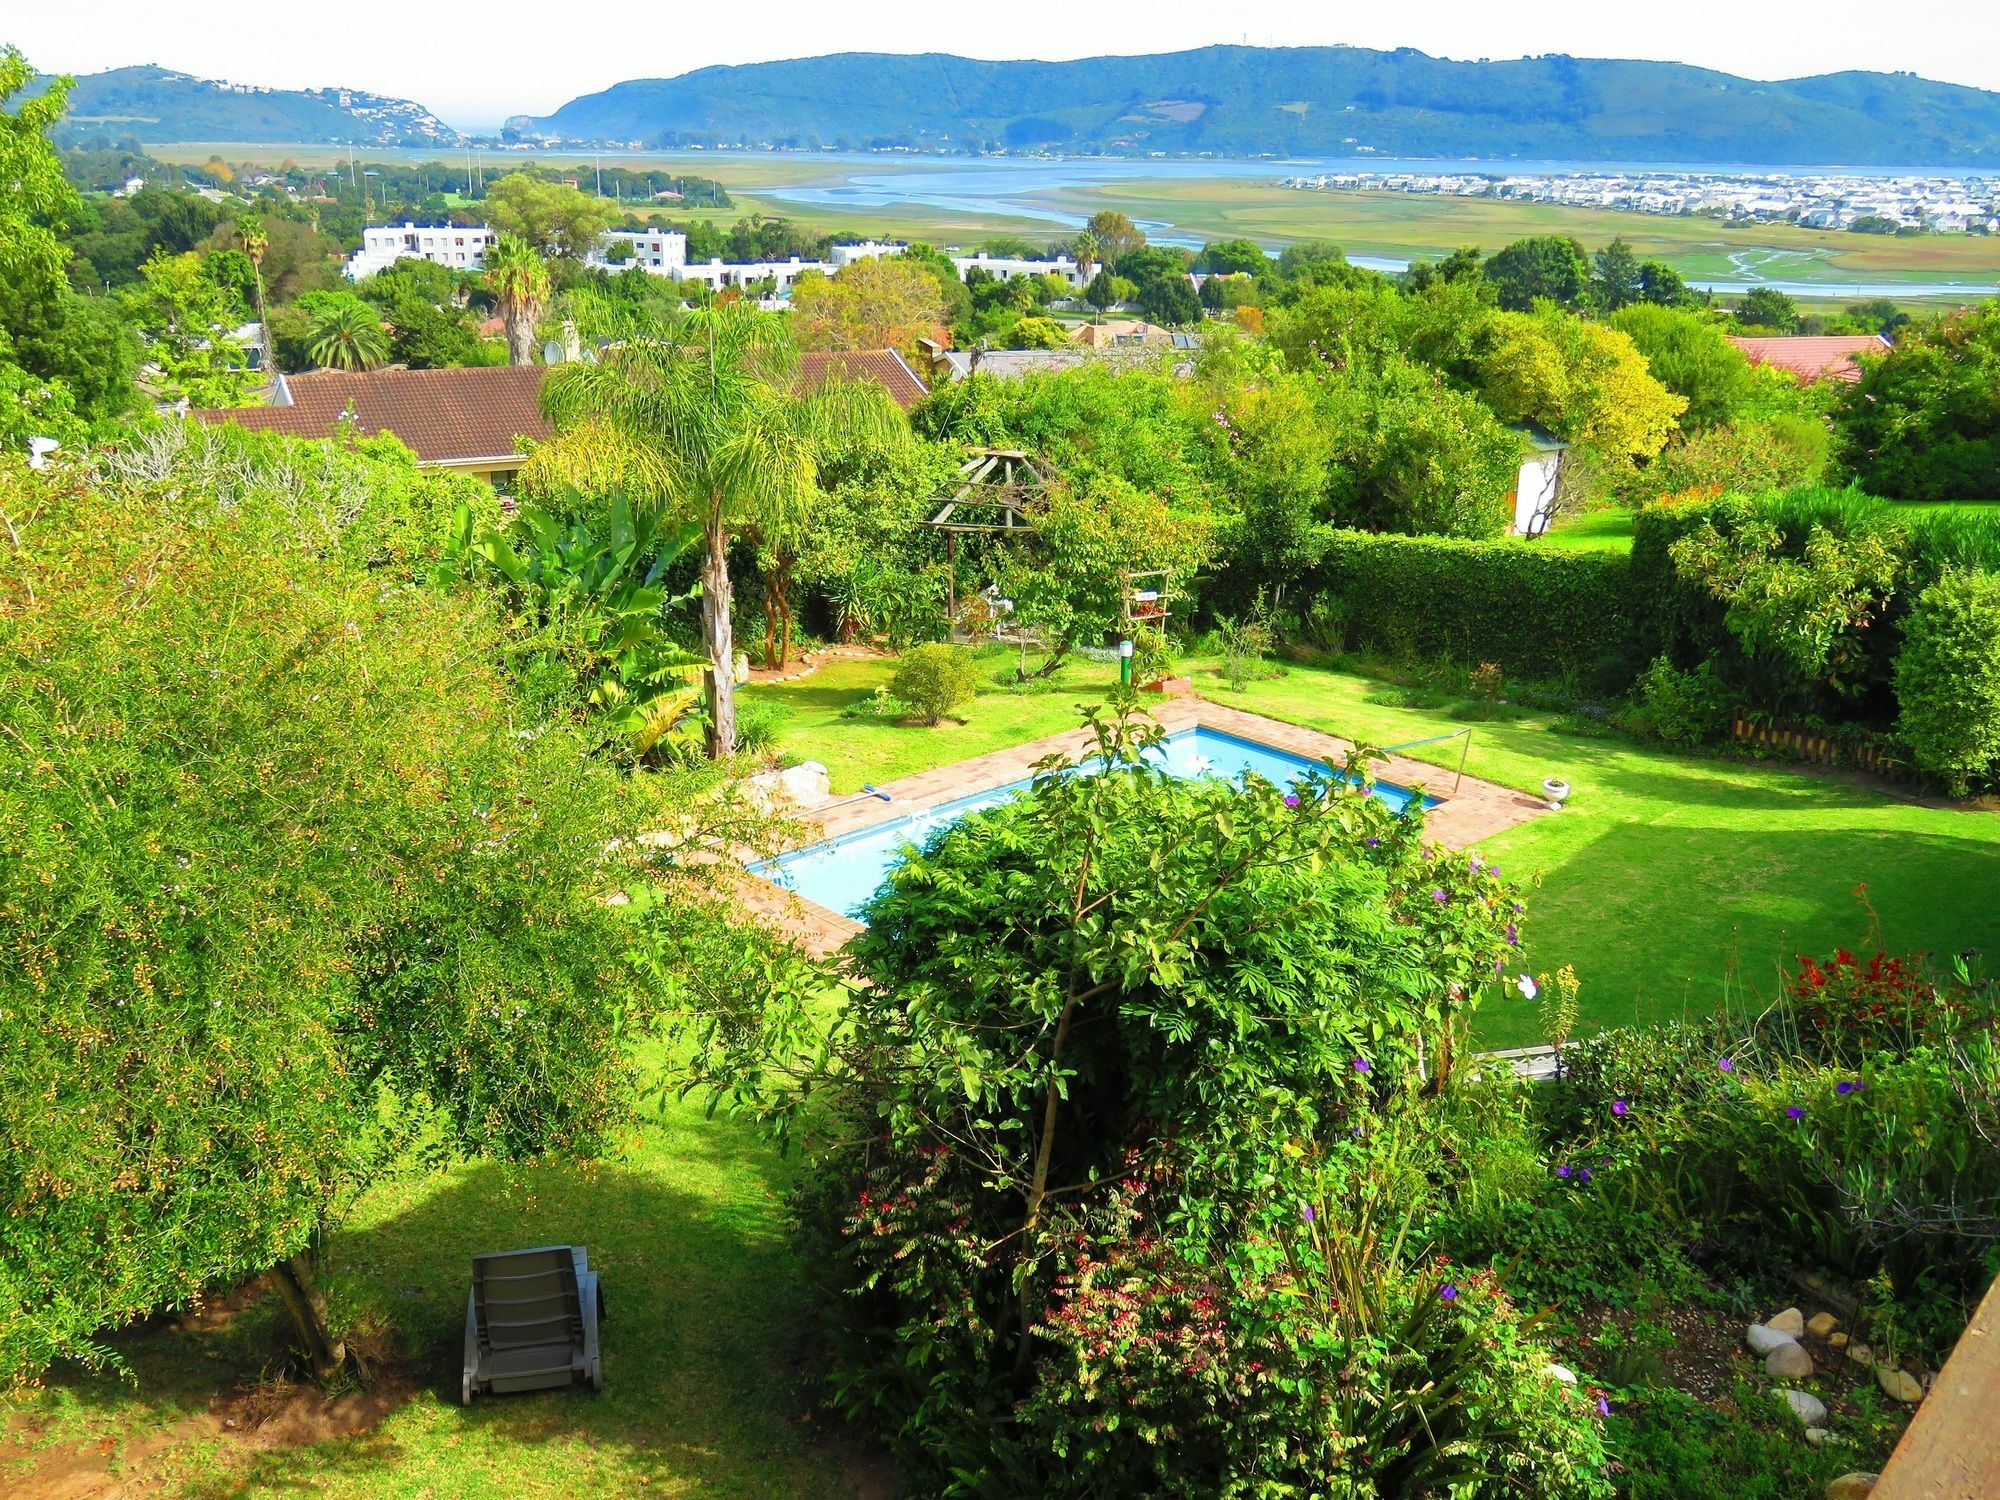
(1535,612)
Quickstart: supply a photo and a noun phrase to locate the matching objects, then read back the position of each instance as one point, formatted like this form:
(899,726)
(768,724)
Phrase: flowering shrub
(1841,1004)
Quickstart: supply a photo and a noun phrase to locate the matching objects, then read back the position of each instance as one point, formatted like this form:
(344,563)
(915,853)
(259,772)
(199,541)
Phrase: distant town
(1864,204)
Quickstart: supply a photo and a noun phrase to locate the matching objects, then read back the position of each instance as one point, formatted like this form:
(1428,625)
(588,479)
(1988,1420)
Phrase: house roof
(461,417)
(1828,357)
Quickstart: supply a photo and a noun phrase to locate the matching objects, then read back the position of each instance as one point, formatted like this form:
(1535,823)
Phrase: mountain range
(1297,101)
(1223,101)
(158,104)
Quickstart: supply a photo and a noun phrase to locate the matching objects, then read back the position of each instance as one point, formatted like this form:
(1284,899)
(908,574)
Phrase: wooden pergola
(995,486)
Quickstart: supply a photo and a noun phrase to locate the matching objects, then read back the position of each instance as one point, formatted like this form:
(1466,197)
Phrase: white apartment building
(459,246)
(847,255)
(661,251)
(719,274)
(1007,267)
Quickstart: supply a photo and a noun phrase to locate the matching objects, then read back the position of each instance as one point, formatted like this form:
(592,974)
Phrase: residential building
(661,251)
(719,274)
(481,421)
(459,246)
(1128,333)
(847,255)
(1007,267)
(1830,357)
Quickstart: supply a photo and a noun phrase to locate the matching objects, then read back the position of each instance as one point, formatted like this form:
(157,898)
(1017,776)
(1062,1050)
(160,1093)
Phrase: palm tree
(1086,250)
(700,415)
(256,241)
(520,284)
(348,336)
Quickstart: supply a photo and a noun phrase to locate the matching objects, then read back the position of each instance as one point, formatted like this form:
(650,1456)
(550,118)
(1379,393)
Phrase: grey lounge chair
(531,1322)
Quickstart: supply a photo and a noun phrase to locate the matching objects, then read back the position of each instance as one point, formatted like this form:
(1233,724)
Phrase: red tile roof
(465,416)
(1826,358)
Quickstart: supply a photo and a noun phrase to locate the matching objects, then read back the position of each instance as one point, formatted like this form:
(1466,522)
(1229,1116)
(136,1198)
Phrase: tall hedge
(1532,610)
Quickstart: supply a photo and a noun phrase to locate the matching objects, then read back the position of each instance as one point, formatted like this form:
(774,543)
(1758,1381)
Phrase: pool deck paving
(1467,809)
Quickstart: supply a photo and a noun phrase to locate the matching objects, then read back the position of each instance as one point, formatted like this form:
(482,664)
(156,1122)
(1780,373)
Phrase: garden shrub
(1078,1034)
(1682,708)
(1533,611)
(1948,679)
(1841,1009)
(1669,1445)
(934,679)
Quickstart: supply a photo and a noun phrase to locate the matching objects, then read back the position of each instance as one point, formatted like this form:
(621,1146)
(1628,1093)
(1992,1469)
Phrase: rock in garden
(1851,1487)
(1818,1435)
(1789,1361)
(1900,1385)
(1837,1340)
(1861,1354)
(1791,1321)
(1766,1340)
(1819,1325)
(1808,1408)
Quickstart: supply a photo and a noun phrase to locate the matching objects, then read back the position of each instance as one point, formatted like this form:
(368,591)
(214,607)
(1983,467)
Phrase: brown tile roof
(1823,358)
(462,416)
(445,416)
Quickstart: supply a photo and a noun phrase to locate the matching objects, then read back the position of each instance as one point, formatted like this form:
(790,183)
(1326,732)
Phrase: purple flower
(1374,843)
(1448,1292)
(1603,1407)
(1498,968)
(1583,1174)
(1562,1171)
(1519,908)
(1847,1086)
(1513,935)
(1438,895)
(1726,1064)
(1619,1106)
(1473,864)
(1308,1212)
(1291,799)
(1492,869)
(1361,1065)
(1793,1112)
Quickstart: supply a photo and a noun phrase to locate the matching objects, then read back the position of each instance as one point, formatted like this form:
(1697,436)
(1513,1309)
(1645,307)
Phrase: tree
(256,242)
(1580,380)
(878,303)
(1087,252)
(1549,267)
(1169,297)
(1034,333)
(697,415)
(346,334)
(1948,679)
(1923,422)
(1768,308)
(1115,235)
(1233,257)
(554,218)
(1660,283)
(227,1010)
(1462,267)
(189,333)
(519,282)
(1616,279)
(38,196)
(1690,356)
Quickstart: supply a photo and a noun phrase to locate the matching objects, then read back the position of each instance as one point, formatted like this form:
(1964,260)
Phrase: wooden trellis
(995,487)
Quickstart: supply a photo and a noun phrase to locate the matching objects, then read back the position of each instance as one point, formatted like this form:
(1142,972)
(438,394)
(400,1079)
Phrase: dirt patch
(280,1411)
(105,1470)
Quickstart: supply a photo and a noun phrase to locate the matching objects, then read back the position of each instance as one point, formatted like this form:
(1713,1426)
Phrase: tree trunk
(307,1305)
(721,644)
(520,337)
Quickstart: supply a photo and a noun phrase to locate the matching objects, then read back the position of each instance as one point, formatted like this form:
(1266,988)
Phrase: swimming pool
(841,874)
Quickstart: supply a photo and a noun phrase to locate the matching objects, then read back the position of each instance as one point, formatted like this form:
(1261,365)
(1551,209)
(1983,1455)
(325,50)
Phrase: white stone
(1900,1385)
(1855,1486)
(1808,1408)
(1791,1322)
(1561,1372)
(1819,1325)
(1861,1354)
(1788,1362)
(1818,1435)
(1767,1340)
(803,785)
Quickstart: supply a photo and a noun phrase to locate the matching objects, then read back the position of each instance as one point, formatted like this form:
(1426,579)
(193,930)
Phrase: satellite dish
(552,352)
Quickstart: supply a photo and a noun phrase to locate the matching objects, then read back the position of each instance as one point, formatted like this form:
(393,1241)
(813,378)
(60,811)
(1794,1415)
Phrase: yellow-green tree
(873,304)
(1582,381)
(554,217)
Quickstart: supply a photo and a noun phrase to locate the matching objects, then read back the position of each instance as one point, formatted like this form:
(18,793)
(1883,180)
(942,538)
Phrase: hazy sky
(474,63)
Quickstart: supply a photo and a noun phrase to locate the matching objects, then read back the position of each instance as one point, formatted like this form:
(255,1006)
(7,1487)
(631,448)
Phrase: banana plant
(594,590)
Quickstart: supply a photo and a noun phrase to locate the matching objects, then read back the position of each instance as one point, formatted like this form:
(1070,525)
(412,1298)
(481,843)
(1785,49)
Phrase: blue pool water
(841,874)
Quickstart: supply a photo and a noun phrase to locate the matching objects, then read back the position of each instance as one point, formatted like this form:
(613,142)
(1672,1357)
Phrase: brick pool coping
(1475,810)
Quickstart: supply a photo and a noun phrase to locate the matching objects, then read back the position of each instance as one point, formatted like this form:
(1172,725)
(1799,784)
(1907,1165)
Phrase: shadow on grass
(706,1346)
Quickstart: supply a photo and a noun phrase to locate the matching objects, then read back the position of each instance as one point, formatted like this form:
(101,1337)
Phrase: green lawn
(703,1347)
(1608,530)
(1666,879)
